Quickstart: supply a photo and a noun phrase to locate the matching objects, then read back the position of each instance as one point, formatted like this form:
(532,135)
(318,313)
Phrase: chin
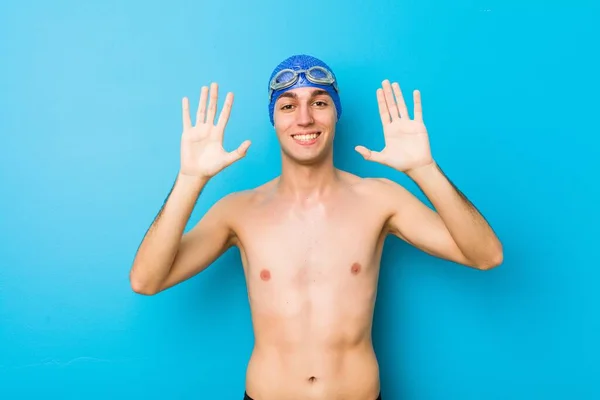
(308,160)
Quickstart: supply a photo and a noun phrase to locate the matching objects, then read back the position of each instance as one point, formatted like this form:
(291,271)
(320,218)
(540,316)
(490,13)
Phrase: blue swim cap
(320,76)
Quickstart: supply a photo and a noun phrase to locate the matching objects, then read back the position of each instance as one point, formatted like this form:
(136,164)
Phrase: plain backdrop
(90,123)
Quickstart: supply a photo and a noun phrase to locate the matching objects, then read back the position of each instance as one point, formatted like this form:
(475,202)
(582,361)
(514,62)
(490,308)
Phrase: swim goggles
(288,77)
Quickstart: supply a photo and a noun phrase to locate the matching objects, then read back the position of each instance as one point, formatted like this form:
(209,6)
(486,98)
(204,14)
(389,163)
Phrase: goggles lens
(287,77)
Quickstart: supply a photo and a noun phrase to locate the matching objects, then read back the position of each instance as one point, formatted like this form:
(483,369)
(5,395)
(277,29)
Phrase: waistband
(246,397)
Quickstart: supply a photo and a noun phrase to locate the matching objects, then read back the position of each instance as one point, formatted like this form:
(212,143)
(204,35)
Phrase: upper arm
(204,243)
(417,224)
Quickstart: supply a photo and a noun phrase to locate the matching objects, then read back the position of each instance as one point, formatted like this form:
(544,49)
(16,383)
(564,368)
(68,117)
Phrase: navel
(265,275)
(355,268)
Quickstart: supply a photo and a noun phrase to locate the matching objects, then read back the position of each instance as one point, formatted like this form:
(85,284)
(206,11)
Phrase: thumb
(368,154)
(238,153)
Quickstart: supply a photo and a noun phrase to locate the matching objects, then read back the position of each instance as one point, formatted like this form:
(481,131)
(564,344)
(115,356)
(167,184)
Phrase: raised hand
(202,152)
(406,141)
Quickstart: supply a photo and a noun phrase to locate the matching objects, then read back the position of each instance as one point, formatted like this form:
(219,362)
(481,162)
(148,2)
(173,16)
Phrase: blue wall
(89,138)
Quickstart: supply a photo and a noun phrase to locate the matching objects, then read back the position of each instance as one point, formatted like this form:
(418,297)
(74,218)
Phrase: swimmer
(311,239)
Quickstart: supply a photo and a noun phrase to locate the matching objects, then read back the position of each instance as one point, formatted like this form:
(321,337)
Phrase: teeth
(306,137)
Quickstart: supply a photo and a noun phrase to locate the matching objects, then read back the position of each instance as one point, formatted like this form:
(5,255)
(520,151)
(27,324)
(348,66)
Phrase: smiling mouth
(306,137)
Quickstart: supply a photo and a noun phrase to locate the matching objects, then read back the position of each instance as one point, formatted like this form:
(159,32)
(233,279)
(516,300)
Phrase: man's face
(305,121)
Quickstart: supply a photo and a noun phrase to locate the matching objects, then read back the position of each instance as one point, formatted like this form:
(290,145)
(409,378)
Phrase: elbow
(488,265)
(139,286)
(139,289)
(492,262)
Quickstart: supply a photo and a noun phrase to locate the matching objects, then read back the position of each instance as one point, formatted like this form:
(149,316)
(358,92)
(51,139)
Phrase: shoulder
(385,186)
(240,200)
(374,187)
(382,194)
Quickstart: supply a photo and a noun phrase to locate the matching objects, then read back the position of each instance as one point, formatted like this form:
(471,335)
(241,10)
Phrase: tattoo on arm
(470,205)
(160,212)
(158,215)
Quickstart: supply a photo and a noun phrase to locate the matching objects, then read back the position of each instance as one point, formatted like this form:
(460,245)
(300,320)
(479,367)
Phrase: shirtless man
(311,239)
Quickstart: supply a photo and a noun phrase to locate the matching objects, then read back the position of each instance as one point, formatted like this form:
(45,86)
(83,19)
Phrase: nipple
(355,269)
(265,275)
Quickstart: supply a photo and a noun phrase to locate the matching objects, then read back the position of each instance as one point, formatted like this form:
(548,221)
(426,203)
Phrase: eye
(321,103)
(286,107)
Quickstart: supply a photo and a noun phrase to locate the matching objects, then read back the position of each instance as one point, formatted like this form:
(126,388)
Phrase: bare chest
(308,247)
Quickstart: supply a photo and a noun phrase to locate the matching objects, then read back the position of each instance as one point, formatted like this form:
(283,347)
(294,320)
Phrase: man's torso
(312,271)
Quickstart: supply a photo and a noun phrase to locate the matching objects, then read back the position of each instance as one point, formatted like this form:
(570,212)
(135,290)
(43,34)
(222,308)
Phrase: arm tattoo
(470,205)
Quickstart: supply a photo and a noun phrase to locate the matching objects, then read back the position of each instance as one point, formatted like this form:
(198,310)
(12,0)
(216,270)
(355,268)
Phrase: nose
(304,115)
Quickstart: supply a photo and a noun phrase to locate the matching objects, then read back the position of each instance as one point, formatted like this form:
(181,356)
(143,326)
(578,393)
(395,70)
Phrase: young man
(311,239)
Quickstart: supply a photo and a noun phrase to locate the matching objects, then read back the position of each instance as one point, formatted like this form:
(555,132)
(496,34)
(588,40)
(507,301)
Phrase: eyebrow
(316,92)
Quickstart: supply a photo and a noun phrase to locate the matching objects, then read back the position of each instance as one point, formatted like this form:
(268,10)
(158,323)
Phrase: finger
(238,153)
(212,103)
(367,154)
(383,110)
(400,100)
(201,112)
(185,113)
(225,112)
(418,106)
(389,99)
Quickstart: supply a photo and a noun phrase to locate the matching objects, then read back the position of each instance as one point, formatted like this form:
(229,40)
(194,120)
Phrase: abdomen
(315,341)
(313,371)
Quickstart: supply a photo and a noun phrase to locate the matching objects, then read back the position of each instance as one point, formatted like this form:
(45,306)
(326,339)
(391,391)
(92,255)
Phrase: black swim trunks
(246,397)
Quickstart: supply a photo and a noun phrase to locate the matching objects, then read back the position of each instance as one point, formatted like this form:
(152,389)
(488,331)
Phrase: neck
(307,182)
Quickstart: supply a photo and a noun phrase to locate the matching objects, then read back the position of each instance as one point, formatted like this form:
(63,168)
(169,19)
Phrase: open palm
(202,152)
(406,141)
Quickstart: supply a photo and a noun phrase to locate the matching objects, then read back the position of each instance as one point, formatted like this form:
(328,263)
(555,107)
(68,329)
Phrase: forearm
(471,232)
(159,247)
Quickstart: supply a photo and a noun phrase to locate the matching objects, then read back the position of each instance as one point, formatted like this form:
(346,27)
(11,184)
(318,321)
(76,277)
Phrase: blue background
(90,96)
